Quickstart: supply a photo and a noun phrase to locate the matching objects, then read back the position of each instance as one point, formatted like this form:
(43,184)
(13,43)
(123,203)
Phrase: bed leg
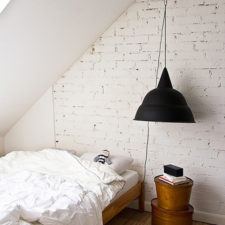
(142,198)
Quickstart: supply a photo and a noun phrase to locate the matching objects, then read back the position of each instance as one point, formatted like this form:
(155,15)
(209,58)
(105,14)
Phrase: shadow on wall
(194,98)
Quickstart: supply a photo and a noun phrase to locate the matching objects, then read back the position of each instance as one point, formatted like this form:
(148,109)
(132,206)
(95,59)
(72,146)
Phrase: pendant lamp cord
(160,44)
(156,81)
(53,107)
(146,151)
(165,2)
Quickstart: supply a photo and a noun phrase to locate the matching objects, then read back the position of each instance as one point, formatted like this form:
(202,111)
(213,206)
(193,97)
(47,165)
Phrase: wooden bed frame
(123,201)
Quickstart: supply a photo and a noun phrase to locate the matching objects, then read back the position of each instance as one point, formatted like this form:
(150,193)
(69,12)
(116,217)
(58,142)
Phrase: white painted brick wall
(96,100)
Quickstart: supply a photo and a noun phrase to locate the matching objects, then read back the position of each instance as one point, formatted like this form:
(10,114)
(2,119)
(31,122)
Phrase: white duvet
(54,188)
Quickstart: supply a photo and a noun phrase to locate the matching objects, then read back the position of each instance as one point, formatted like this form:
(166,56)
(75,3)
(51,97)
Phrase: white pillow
(119,163)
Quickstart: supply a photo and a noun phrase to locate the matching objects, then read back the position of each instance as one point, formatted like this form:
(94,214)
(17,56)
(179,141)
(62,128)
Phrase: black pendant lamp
(164,104)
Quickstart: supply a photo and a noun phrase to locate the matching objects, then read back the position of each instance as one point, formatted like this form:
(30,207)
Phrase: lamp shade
(165,104)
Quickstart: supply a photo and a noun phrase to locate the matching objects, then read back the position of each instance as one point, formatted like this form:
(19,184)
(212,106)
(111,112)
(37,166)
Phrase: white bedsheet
(54,187)
(130,177)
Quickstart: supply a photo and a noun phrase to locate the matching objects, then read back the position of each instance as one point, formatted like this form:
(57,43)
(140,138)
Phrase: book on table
(173,180)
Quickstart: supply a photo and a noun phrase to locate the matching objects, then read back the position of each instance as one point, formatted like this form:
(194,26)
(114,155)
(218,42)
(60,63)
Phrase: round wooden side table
(172,205)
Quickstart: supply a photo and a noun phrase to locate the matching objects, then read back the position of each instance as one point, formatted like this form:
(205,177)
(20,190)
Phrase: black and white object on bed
(103,157)
(119,163)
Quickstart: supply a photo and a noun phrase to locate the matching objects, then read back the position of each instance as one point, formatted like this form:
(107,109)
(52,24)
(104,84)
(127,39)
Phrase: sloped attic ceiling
(39,40)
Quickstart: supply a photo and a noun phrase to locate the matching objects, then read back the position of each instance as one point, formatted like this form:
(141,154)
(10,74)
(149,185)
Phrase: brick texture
(96,100)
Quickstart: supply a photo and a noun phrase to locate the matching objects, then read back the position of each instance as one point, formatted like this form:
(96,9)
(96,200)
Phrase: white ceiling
(39,40)
(3,4)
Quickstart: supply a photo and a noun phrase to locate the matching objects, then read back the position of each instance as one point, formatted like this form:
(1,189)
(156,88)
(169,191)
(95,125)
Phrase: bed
(80,191)
(132,190)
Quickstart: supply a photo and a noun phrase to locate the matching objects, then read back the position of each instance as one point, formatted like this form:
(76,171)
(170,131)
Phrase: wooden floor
(133,217)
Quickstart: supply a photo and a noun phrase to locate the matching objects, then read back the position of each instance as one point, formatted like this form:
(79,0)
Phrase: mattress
(131,179)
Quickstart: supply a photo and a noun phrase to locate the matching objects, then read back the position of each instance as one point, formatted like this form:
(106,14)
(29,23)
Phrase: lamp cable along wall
(53,111)
(163,104)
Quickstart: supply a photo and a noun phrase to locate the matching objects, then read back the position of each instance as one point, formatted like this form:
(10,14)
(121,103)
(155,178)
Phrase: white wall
(1,145)
(39,41)
(96,100)
(35,130)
